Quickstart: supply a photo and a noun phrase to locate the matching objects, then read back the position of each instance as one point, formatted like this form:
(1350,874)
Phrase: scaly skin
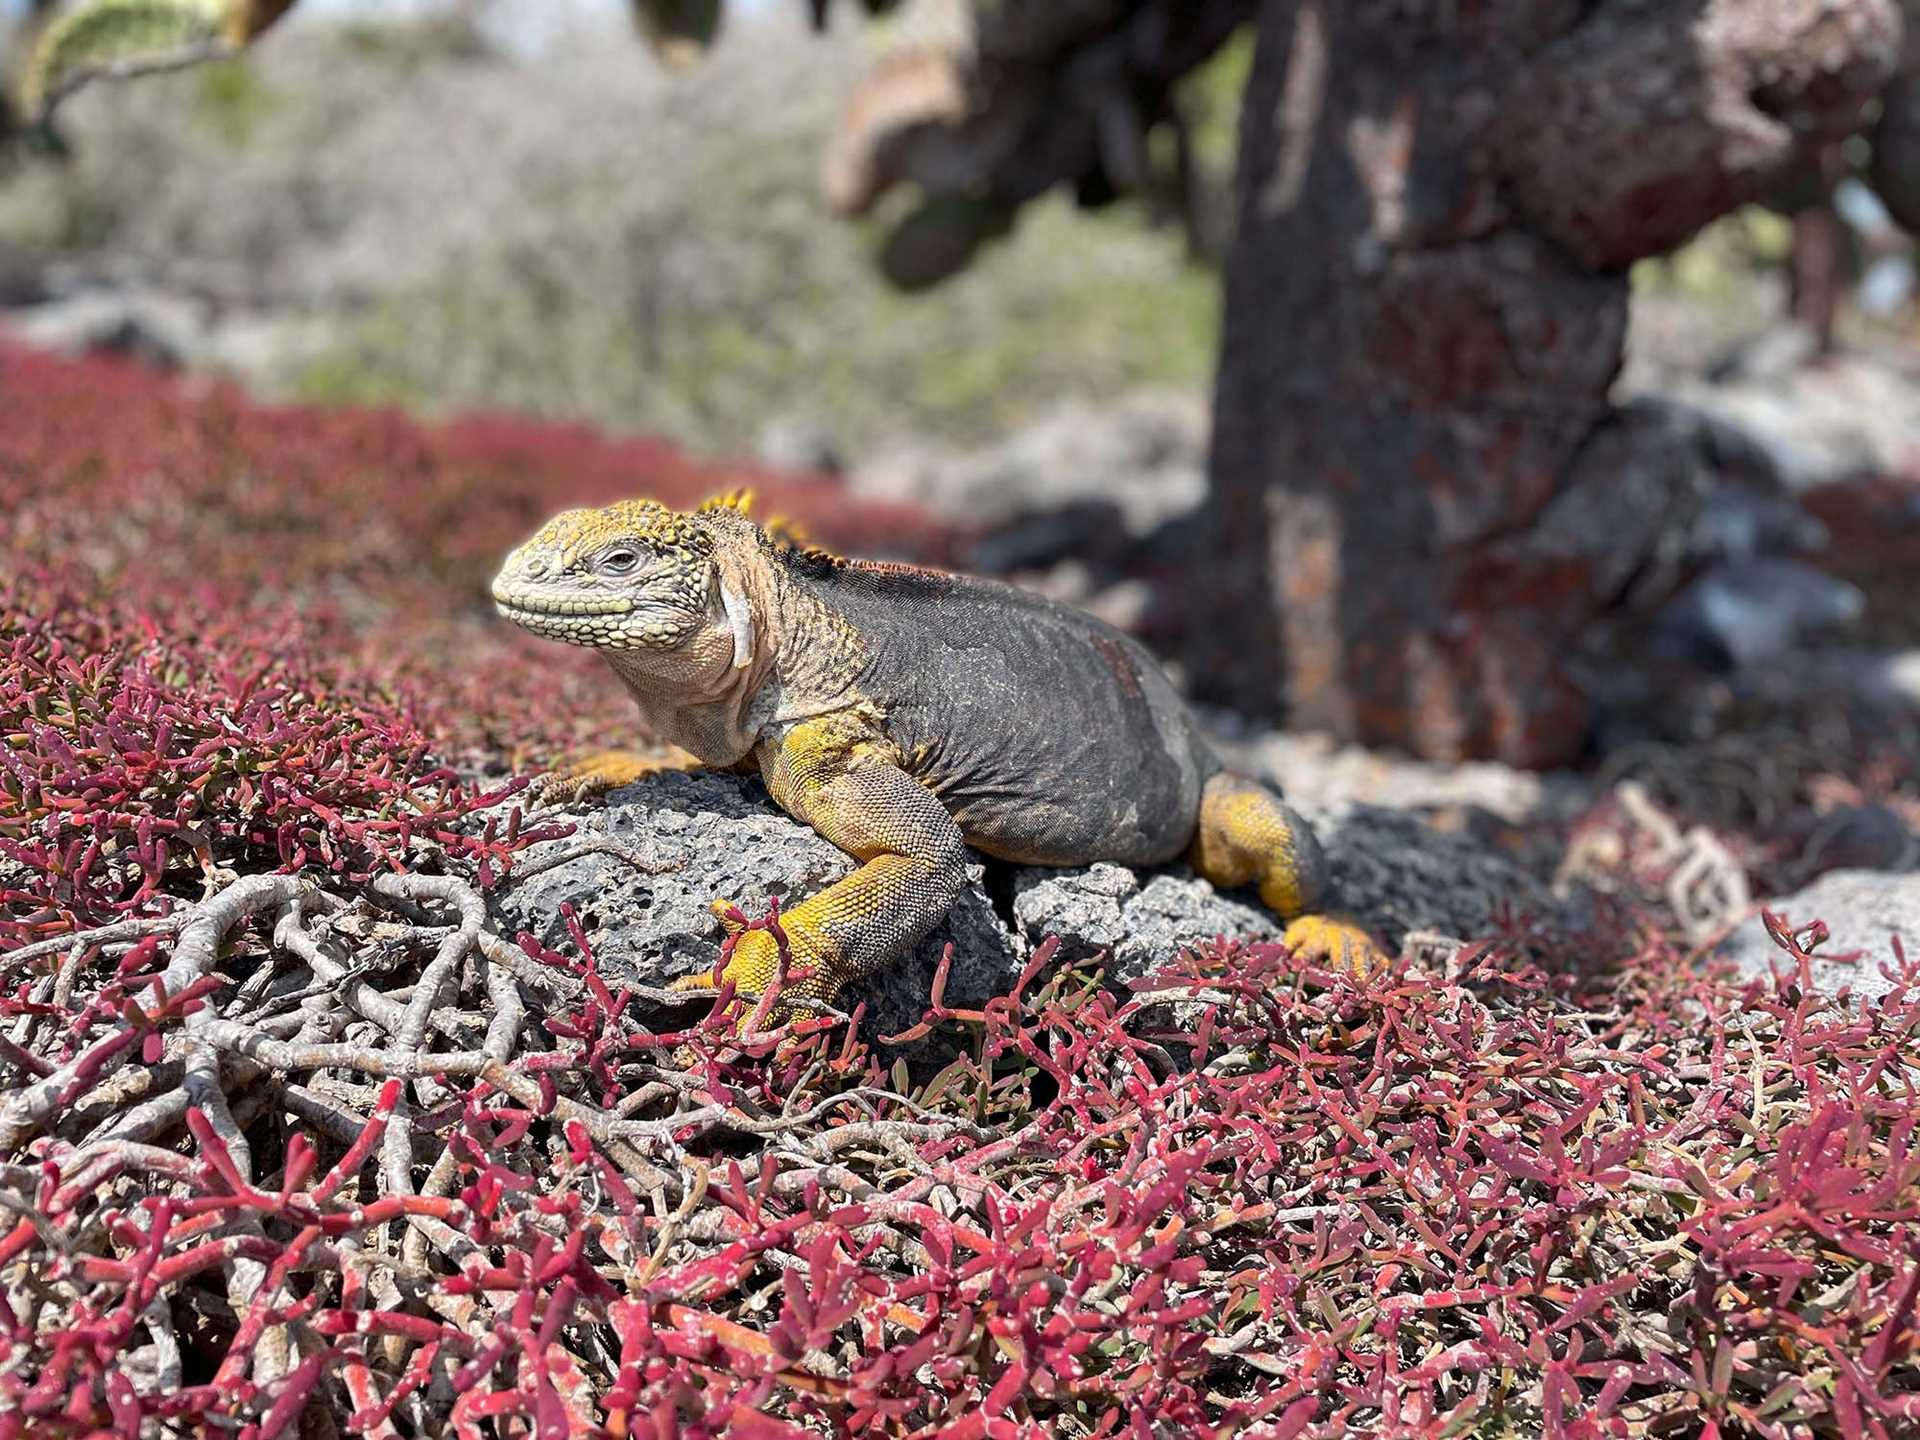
(906,714)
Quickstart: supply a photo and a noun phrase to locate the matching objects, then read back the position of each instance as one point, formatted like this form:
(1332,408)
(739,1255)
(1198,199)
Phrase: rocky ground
(644,863)
(1430,857)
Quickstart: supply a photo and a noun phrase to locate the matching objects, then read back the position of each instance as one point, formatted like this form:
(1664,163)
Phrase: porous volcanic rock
(703,836)
(672,843)
(1141,920)
(1392,871)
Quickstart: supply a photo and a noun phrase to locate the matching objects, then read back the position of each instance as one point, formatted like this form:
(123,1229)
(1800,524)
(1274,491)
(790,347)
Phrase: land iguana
(905,714)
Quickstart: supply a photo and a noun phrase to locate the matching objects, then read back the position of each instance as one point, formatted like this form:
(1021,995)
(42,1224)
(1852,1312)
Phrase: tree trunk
(1426,306)
(1817,273)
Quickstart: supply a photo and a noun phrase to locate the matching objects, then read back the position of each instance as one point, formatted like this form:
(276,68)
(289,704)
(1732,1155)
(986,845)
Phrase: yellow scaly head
(632,576)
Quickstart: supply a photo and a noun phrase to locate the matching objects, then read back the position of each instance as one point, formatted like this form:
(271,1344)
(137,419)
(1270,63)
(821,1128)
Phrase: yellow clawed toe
(754,964)
(1341,944)
(594,775)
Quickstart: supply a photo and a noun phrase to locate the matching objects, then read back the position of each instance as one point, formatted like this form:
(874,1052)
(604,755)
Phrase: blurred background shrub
(459,209)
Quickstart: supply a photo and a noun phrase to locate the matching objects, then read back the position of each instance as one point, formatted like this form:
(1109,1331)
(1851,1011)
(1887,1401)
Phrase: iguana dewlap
(905,714)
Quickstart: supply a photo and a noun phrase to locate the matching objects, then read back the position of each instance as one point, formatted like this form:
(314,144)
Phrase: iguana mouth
(513,603)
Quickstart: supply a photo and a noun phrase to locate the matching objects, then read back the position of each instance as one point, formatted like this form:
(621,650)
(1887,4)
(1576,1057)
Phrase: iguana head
(645,585)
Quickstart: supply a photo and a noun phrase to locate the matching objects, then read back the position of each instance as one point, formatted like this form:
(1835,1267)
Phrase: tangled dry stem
(1248,1195)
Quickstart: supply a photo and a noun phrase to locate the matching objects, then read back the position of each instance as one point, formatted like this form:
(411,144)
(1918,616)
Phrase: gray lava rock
(1620,528)
(1854,413)
(698,836)
(1864,910)
(798,442)
(1862,837)
(1741,521)
(1033,542)
(23,279)
(707,835)
(1141,924)
(1898,677)
(1391,871)
(154,327)
(1737,616)
(1397,874)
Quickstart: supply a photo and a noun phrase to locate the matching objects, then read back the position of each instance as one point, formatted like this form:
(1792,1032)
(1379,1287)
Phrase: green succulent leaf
(679,31)
(120,38)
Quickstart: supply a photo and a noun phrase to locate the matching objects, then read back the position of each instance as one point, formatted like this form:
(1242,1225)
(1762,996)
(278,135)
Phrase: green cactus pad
(678,31)
(129,37)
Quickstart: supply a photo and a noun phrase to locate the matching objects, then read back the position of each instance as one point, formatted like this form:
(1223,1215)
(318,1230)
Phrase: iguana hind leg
(833,774)
(1248,836)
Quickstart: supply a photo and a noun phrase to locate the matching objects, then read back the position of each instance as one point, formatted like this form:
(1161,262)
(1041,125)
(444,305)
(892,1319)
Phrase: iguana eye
(619,562)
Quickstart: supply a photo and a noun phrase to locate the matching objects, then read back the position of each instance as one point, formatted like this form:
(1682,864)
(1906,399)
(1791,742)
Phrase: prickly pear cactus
(678,31)
(121,38)
(133,37)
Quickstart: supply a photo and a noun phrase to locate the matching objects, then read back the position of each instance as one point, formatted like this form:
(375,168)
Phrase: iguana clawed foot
(753,966)
(1340,944)
(593,775)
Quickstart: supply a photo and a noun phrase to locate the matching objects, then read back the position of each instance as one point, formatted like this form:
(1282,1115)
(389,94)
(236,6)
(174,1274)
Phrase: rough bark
(1817,273)
(1426,304)
(1896,138)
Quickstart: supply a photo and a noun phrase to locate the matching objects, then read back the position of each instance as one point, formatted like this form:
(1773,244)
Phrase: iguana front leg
(593,775)
(837,774)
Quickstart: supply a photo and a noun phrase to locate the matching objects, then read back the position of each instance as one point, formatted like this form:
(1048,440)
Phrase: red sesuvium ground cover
(294,1145)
